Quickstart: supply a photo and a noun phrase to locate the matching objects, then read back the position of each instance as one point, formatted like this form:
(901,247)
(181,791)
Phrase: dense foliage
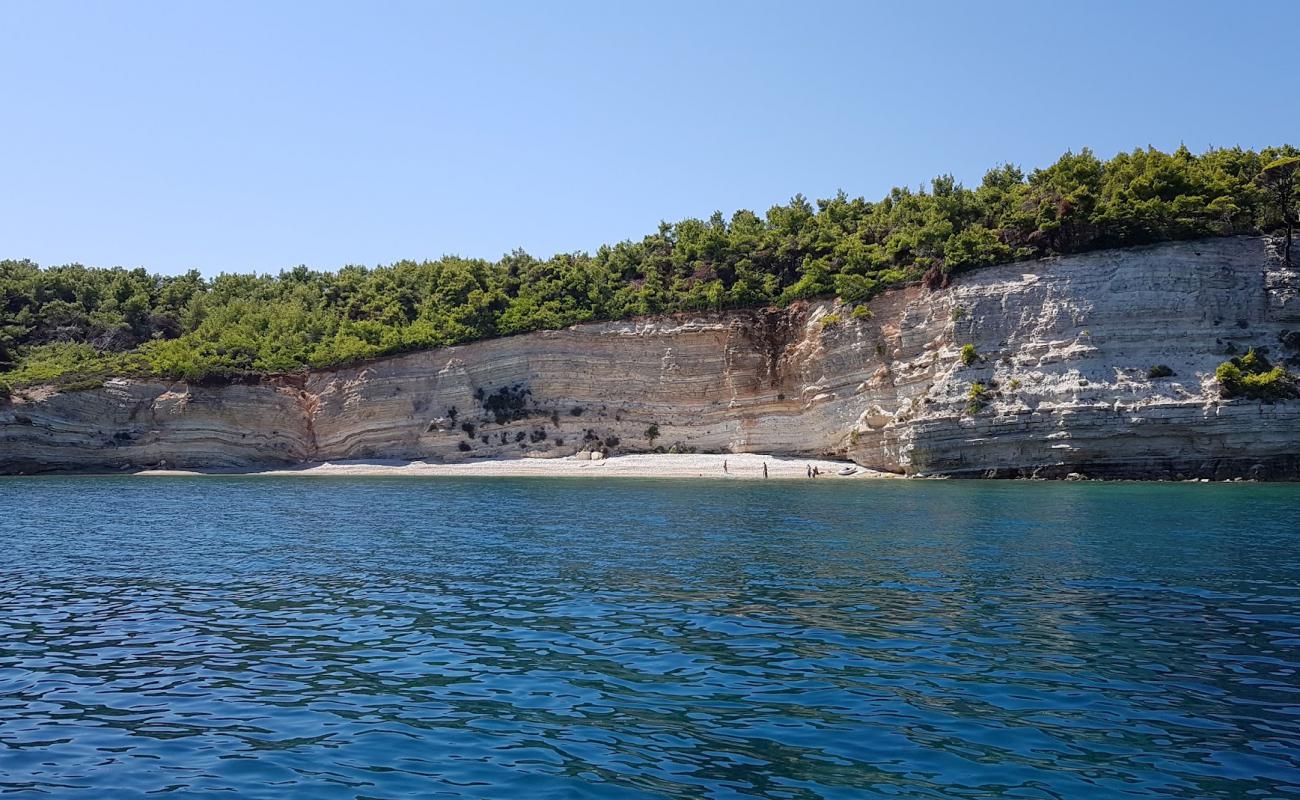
(1253,376)
(72,324)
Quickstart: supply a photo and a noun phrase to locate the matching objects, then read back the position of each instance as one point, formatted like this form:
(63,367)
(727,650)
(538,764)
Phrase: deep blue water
(386,638)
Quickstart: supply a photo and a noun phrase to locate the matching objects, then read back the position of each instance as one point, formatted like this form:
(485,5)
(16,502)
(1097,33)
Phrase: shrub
(976,397)
(969,355)
(507,404)
(576,411)
(463,446)
(958,314)
(1252,376)
(861,312)
(1160,371)
(1013,384)
(831,320)
(652,433)
(72,365)
(468,428)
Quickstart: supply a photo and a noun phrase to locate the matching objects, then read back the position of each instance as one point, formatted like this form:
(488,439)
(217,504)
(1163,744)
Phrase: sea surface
(551,638)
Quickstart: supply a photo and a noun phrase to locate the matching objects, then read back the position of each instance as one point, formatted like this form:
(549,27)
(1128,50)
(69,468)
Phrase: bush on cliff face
(190,327)
(1252,376)
(977,396)
(508,403)
(1159,371)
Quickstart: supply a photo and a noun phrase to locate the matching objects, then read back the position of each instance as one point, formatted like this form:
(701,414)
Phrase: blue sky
(242,136)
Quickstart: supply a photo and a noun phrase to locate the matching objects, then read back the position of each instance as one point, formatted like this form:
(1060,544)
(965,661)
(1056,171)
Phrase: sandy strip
(741,466)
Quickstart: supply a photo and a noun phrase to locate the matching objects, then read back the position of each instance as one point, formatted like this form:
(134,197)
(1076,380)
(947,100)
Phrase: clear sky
(240,136)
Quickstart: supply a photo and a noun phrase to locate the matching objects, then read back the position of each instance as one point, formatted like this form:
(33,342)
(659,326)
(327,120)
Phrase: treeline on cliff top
(75,325)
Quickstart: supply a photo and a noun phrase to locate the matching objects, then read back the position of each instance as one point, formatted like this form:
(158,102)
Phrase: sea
(314,637)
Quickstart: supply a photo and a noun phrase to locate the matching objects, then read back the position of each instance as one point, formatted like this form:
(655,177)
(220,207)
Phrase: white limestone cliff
(1064,346)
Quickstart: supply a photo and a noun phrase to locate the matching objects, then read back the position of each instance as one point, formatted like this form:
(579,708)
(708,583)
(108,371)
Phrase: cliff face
(1063,345)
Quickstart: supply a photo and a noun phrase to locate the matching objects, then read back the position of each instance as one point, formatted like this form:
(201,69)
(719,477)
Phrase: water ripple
(398,638)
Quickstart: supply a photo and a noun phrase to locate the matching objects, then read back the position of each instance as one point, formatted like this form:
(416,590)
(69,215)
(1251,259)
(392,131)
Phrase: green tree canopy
(72,324)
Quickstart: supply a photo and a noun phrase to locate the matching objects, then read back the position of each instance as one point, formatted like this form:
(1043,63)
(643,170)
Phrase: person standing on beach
(809,466)
(764,470)
(724,465)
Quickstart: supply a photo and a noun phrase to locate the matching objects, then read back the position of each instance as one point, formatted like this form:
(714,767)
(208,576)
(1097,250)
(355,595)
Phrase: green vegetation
(831,320)
(861,313)
(969,355)
(73,325)
(652,433)
(977,397)
(1252,376)
(507,404)
(1159,371)
(1280,180)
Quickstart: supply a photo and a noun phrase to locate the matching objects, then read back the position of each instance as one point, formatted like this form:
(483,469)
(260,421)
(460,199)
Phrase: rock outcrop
(1059,356)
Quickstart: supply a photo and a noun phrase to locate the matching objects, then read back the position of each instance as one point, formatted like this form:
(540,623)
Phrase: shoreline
(739,466)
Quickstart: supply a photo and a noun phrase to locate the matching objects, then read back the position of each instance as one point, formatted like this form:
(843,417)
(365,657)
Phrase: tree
(1279,181)
(73,324)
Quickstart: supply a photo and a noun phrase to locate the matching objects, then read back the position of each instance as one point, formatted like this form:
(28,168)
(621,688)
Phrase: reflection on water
(492,638)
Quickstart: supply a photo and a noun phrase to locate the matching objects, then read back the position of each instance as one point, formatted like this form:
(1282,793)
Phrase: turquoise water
(389,638)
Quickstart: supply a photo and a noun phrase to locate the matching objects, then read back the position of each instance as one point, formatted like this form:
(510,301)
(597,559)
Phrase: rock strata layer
(1059,356)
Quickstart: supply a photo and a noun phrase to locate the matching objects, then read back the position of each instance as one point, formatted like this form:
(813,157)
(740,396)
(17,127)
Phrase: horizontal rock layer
(1063,347)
